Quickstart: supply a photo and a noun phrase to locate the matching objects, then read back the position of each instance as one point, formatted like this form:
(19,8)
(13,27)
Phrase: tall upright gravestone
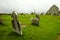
(15,23)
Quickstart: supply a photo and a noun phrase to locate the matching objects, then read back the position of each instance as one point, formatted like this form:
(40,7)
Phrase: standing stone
(37,16)
(35,21)
(15,23)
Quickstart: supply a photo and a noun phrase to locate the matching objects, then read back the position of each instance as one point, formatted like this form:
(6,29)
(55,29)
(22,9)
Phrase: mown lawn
(47,30)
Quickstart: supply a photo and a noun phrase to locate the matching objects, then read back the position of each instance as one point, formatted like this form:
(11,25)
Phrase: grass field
(47,30)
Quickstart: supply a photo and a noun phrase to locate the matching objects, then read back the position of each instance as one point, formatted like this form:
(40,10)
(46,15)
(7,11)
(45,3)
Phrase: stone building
(54,10)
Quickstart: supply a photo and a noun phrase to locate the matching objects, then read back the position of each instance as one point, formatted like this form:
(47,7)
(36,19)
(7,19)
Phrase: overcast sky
(27,6)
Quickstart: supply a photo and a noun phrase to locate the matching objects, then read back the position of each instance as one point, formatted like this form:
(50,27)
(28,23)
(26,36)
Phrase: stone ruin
(54,10)
(16,24)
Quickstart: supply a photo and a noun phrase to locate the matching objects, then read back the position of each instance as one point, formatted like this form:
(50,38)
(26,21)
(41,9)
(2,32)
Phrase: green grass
(47,30)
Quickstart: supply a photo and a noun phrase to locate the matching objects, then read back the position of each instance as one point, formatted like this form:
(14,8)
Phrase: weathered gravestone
(15,23)
(35,21)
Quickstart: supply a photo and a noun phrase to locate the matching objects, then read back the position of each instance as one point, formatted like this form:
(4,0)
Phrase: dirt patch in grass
(58,36)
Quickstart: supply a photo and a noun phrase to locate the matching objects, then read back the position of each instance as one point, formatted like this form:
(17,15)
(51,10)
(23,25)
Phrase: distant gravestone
(54,10)
(35,21)
(15,23)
